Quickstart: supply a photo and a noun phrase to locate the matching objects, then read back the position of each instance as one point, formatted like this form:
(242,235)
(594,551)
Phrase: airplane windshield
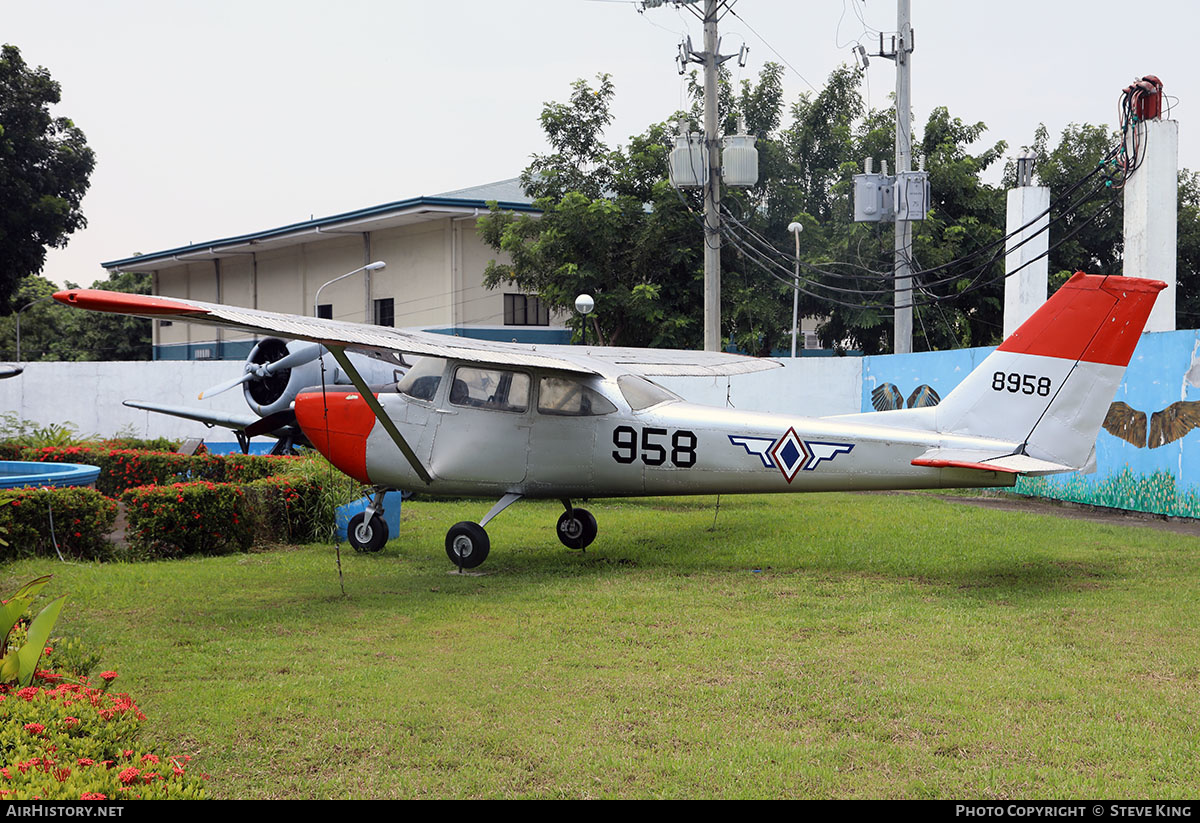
(640,393)
(423,378)
(569,397)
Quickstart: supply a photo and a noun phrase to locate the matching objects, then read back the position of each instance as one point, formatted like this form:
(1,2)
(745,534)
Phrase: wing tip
(121,303)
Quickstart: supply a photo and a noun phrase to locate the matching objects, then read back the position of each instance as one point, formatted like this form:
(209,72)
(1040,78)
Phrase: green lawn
(810,646)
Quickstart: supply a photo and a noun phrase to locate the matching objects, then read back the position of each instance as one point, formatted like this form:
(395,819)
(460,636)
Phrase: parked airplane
(504,420)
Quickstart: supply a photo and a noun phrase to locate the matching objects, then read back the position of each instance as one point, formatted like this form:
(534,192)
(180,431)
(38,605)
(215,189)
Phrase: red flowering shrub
(208,518)
(75,742)
(122,469)
(77,518)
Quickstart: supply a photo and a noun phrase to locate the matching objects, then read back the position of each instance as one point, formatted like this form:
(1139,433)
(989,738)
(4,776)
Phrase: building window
(325,310)
(162,324)
(525,310)
(385,312)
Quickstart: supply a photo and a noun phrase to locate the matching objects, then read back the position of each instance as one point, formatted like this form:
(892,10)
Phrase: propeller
(261,371)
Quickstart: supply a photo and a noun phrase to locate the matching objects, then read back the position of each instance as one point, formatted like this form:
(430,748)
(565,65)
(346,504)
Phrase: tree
(1088,213)
(45,164)
(53,332)
(609,226)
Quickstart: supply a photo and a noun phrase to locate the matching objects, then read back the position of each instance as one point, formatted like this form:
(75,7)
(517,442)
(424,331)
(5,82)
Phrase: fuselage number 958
(653,446)
(1023,383)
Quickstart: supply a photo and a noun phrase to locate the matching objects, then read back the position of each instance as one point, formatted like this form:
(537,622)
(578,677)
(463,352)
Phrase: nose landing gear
(367,531)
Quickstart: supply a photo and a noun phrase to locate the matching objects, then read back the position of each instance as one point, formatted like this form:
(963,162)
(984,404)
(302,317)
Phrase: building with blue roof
(433,279)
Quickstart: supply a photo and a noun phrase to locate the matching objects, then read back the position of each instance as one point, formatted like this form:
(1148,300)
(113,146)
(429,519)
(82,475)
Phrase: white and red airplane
(509,421)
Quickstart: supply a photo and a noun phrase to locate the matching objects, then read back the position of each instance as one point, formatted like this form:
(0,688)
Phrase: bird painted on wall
(1166,426)
(886,396)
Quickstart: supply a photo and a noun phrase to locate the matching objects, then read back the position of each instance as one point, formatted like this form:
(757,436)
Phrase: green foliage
(214,518)
(45,164)
(18,432)
(1095,227)
(326,489)
(1157,493)
(50,331)
(612,226)
(24,647)
(77,742)
(1187,263)
(79,519)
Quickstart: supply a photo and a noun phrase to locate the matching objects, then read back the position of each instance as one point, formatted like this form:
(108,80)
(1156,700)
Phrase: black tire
(576,529)
(467,544)
(367,536)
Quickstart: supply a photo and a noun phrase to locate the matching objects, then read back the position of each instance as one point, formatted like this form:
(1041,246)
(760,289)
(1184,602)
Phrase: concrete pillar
(1151,215)
(1025,291)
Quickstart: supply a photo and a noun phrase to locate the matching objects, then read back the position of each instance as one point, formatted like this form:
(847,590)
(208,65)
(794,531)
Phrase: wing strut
(339,354)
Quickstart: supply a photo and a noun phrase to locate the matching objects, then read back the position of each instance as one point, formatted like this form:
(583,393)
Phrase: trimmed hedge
(81,518)
(122,469)
(210,518)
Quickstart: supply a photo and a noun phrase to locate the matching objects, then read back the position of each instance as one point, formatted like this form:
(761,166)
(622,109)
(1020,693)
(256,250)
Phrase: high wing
(384,340)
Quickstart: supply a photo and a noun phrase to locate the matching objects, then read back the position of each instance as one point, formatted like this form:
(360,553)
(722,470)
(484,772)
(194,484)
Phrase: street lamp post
(23,308)
(584,305)
(376,266)
(796,228)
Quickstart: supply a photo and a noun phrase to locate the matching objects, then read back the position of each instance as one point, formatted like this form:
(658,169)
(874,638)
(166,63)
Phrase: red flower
(128,776)
(93,796)
(34,728)
(108,677)
(86,761)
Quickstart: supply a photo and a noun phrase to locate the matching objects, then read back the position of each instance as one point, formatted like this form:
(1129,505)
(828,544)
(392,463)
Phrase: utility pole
(712,188)
(683,166)
(901,198)
(903,328)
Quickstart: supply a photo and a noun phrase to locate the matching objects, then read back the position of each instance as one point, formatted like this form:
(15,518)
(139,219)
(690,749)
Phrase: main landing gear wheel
(467,544)
(576,529)
(367,535)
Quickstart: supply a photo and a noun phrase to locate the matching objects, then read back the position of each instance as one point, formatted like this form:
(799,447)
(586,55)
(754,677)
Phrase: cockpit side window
(568,396)
(640,393)
(423,379)
(494,389)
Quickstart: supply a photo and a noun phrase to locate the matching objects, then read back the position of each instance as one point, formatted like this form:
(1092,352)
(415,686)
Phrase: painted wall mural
(1147,454)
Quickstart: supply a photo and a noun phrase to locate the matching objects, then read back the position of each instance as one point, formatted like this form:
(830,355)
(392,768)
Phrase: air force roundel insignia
(790,454)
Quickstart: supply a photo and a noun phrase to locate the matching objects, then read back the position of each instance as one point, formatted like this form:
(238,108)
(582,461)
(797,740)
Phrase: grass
(809,646)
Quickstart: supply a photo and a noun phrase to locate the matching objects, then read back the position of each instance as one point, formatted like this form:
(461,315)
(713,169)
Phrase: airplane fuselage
(669,447)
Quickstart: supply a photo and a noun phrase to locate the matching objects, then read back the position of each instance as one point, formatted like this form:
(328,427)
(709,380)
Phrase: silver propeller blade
(226,386)
(302,355)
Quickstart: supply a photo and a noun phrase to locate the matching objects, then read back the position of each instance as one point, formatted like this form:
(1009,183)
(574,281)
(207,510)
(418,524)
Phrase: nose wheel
(367,535)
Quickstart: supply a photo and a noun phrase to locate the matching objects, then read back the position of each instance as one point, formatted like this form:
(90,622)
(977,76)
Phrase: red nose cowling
(337,424)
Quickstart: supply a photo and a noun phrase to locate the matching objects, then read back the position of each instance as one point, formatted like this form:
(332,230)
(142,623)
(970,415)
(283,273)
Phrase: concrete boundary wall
(1159,398)
(89,395)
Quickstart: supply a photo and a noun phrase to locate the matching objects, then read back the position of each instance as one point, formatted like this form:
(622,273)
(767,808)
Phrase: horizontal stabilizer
(989,461)
(206,416)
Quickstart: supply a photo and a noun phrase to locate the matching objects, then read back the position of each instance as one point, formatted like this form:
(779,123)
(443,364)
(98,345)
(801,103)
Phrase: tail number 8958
(1023,383)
